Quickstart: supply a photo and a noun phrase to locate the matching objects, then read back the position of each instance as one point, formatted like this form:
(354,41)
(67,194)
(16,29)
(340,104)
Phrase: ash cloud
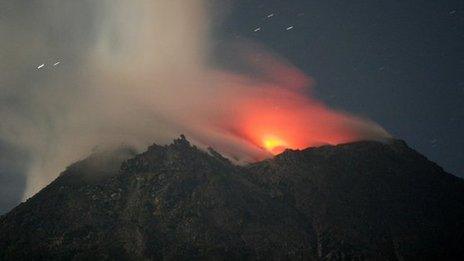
(118,71)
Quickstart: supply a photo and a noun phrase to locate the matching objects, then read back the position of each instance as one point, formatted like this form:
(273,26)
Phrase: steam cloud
(118,71)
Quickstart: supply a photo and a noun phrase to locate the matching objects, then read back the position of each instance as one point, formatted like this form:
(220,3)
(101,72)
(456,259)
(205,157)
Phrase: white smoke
(111,72)
(125,70)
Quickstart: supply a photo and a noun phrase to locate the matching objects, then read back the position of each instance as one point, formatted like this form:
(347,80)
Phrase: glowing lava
(276,119)
(274,144)
(273,118)
(272,109)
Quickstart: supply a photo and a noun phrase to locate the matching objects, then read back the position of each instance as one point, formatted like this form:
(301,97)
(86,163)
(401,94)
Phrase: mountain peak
(181,141)
(363,200)
(180,154)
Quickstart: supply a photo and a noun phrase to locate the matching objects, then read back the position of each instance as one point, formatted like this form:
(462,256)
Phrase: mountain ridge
(361,200)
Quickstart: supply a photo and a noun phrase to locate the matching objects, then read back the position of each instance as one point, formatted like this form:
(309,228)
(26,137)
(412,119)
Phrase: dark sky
(12,178)
(400,63)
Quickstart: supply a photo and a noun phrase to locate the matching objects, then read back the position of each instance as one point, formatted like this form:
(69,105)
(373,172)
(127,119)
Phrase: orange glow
(274,117)
(274,144)
(272,110)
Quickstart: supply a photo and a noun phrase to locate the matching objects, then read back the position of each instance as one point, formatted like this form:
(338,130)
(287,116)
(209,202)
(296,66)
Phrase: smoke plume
(80,74)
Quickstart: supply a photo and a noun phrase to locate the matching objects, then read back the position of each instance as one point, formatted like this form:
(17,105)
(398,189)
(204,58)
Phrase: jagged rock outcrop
(358,201)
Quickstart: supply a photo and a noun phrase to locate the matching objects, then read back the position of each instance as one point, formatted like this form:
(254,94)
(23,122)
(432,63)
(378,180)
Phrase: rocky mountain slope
(358,201)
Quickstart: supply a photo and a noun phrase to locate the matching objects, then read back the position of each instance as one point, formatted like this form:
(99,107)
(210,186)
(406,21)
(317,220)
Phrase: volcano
(365,200)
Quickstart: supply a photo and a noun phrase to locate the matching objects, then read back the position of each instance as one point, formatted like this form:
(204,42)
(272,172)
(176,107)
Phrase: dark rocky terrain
(358,201)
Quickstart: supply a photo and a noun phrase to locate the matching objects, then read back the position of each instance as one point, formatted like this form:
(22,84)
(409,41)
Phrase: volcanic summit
(365,200)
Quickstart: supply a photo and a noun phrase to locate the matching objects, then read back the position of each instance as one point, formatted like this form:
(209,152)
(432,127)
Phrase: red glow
(278,114)
(262,114)
(276,119)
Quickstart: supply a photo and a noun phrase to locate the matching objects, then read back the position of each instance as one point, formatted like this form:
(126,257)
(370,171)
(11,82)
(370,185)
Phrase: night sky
(399,63)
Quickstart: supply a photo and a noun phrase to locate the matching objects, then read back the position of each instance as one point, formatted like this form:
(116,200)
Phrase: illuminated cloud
(140,72)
